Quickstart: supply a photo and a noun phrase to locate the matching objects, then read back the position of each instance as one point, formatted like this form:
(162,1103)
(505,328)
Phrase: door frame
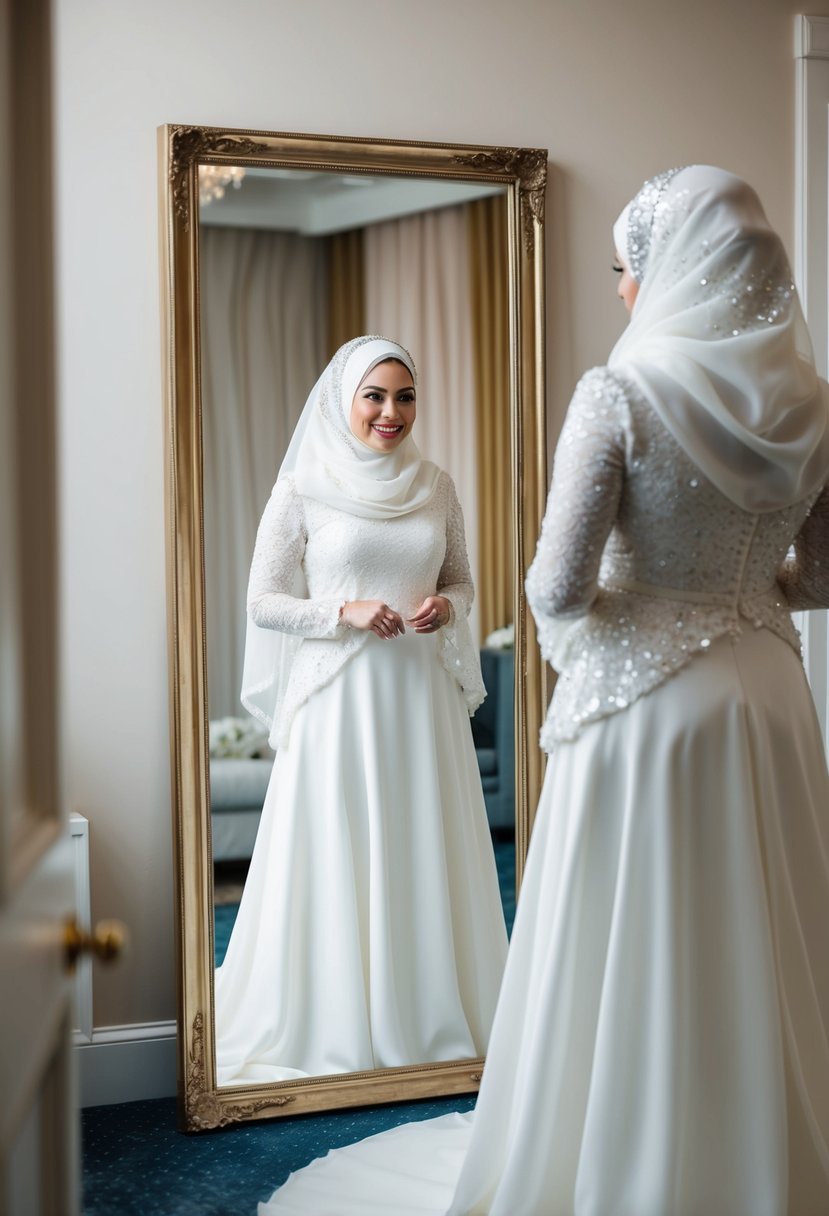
(811,271)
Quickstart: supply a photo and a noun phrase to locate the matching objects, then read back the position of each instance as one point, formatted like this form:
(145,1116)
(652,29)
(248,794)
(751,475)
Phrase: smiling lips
(387,431)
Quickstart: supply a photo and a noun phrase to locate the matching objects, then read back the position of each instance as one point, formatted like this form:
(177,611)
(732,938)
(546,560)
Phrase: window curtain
(417,288)
(489,297)
(264,316)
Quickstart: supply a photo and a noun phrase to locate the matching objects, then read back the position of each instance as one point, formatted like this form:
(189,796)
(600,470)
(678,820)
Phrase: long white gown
(661,1045)
(370,932)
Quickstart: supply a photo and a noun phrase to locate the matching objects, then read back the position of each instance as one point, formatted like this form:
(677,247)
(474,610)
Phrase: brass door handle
(106,942)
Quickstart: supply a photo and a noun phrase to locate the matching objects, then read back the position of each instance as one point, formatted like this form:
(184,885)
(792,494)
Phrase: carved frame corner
(528,166)
(191,146)
(205,1109)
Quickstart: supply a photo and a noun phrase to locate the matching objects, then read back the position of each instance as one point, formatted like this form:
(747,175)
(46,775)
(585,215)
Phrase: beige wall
(616,89)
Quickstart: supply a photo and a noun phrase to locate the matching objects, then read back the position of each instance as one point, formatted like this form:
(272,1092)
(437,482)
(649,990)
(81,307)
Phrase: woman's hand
(434,612)
(373,615)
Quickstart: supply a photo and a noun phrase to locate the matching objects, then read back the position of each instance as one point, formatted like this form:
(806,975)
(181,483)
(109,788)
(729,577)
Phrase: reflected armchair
(493,730)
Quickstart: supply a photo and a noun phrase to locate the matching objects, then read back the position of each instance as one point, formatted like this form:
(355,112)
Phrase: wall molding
(82,995)
(811,38)
(127,1063)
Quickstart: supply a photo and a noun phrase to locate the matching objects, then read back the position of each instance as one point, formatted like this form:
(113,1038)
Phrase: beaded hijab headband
(645,209)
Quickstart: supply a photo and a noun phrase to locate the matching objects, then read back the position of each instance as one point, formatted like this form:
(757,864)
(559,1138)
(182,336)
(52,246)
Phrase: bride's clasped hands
(379,618)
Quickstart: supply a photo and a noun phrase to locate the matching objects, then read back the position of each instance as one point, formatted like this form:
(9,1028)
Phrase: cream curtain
(417,289)
(264,342)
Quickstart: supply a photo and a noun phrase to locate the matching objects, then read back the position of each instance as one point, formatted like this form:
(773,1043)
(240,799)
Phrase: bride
(661,1043)
(370,932)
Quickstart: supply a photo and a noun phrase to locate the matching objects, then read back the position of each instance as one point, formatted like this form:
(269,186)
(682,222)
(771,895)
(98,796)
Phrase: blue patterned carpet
(136,1162)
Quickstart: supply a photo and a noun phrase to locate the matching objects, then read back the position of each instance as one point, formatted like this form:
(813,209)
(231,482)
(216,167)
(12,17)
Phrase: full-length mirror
(347,847)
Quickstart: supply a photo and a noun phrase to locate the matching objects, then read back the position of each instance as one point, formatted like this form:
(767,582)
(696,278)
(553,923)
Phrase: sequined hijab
(717,342)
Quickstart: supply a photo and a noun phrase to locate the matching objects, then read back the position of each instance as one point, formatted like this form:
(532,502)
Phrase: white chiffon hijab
(717,342)
(330,464)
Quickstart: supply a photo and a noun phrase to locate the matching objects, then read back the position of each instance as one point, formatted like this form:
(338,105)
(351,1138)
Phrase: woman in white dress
(370,933)
(661,1044)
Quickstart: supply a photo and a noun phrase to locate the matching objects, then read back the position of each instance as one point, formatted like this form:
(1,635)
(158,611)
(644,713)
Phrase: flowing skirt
(370,932)
(661,1045)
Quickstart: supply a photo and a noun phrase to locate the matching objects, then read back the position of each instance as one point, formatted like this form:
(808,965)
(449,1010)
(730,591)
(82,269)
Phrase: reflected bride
(370,933)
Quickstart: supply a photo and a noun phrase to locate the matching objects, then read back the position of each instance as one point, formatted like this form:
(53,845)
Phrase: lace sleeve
(277,559)
(562,581)
(804,577)
(455,580)
(456,649)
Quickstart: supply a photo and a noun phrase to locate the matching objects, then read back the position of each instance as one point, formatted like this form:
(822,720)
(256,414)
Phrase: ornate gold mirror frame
(523,173)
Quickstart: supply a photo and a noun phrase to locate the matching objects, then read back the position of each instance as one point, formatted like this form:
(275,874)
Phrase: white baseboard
(127,1063)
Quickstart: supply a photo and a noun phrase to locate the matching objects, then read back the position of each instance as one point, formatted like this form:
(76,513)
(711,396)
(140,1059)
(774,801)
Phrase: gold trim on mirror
(529,166)
(200,145)
(522,171)
(204,1108)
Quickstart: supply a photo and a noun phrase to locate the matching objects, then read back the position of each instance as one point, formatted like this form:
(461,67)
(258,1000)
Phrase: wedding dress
(661,1043)
(370,932)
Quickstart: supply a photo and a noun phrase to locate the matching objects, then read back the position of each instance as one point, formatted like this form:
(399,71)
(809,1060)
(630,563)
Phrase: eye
(372,395)
(406,398)
(617,269)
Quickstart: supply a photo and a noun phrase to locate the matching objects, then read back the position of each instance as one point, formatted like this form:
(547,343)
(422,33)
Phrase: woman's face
(383,410)
(628,288)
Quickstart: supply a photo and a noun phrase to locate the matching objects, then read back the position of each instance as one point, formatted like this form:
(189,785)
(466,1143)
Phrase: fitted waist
(662,591)
(635,636)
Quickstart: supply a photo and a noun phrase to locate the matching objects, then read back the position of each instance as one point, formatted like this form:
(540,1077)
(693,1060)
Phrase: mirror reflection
(370,933)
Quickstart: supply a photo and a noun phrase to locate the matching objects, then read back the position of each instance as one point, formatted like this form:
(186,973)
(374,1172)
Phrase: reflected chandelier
(214,180)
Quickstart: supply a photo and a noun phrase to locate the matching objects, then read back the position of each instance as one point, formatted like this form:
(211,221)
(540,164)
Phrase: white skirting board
(127,1063)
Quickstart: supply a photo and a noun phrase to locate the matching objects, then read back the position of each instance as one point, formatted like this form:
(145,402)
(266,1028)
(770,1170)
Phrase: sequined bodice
(344,557)
(642,562)
(674,529)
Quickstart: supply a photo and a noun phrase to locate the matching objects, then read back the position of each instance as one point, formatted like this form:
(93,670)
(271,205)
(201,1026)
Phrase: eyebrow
(377,388)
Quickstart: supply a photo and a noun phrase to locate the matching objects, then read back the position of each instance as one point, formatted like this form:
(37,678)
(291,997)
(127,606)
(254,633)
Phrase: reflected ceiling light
(214,180)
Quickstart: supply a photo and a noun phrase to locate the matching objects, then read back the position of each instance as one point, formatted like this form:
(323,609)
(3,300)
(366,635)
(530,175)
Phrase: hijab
(717,341)
(329,462)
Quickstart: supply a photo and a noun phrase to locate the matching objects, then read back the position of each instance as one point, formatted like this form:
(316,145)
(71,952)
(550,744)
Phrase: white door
(38,1142)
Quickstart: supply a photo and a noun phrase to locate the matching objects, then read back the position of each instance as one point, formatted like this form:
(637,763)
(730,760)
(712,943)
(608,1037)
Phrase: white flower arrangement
(238,739)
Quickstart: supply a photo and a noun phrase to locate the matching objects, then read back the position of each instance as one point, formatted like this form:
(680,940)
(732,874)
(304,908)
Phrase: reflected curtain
(264,342)
(417,276)
(346,290)
(489,295)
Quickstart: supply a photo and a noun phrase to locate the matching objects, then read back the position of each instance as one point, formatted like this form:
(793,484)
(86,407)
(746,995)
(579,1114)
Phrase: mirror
(277,250)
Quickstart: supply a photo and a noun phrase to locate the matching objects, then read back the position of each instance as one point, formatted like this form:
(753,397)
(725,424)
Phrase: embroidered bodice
(345,557)
(642,563)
